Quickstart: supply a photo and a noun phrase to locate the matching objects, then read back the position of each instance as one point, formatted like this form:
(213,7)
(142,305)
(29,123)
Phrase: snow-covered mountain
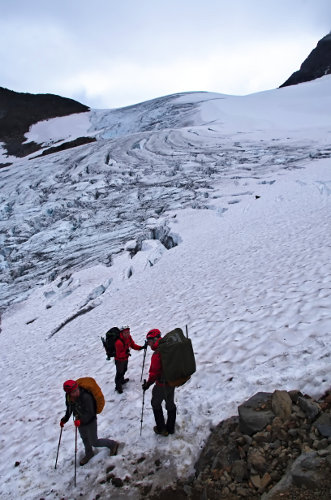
(200,209)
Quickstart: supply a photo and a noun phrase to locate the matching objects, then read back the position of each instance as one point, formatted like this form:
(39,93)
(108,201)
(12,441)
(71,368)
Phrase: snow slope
(246,200)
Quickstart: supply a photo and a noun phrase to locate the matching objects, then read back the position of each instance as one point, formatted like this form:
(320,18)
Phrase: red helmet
(153,334)
(69,386)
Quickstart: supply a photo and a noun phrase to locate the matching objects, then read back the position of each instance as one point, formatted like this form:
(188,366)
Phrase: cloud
(240,72)
(119,53)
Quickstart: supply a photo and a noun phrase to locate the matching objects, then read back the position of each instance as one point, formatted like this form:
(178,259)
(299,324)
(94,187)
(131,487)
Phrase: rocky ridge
(278,447)
(316,65)
(18,111)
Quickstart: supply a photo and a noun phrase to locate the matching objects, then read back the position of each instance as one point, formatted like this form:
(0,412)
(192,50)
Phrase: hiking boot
(86,459)
(125,381)
(113,450)
(119,390)
(162,432)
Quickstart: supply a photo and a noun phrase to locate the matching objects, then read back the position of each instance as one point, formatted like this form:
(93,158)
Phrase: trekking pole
(58,447)
(75,455)
(142,370)
(142,412)
(186,331)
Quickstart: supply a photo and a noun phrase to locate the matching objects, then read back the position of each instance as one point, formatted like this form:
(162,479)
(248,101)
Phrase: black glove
(146,385)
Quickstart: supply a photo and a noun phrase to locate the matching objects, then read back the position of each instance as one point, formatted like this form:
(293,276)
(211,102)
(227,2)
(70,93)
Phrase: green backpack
(177,357)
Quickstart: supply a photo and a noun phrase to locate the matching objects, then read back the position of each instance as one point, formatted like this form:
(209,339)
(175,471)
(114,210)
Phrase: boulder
(281,404)
(306,472)
(309,407)
(323,424)
(255,413)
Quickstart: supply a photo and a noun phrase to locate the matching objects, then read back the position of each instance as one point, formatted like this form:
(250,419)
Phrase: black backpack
(109,342)
(177,357)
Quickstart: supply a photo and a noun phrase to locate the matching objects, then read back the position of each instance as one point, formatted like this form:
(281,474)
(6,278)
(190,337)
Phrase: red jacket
(155,369)
(122,348)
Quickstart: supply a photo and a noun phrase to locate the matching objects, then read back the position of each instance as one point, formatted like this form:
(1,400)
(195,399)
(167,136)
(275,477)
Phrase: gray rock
(309,407)
(305,471)
(239,470)
(282,485)
(322,444)
(248,439)
(294,395)
(323,425)
(324,452)
(252,416)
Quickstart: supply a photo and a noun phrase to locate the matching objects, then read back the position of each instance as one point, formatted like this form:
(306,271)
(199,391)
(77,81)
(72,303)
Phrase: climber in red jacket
(122,348)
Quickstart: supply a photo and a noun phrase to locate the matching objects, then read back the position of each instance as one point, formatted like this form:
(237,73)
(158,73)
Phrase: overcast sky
(111,53)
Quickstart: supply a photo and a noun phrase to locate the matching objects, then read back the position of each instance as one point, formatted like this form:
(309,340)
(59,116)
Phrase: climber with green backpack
(84,400)
(172,365)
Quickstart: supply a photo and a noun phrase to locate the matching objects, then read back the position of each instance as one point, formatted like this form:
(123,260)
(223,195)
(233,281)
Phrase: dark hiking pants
(167,394)
(121,367)
(163,393)
(89,435)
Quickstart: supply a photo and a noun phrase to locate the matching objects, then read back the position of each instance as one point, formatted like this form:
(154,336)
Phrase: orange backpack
(90,385)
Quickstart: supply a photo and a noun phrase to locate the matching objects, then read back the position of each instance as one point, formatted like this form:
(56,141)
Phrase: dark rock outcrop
(317,64)
(289,458)
(67,145)
(18,111)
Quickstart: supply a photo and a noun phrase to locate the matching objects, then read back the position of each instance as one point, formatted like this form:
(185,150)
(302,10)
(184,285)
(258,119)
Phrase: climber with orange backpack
(84,400)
